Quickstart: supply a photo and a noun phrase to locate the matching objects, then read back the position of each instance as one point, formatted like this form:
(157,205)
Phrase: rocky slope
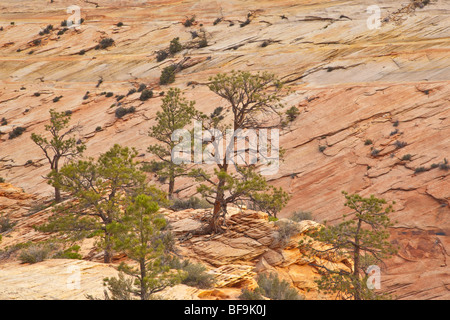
(351,84)
(251,245)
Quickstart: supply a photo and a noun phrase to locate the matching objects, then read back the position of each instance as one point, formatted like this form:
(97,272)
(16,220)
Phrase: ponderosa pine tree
(362,238)
(254,102)
(100,189)
(62,144)
(176,114)
(138,235)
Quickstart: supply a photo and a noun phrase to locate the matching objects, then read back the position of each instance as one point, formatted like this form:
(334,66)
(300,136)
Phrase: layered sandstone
(351,84)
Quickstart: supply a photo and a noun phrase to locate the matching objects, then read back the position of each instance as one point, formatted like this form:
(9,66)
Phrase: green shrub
(375,152)
(286,229)
(175,46)
(368,142)
(34,253)
(98,129)
(420,169)
(292,113)
(191,203)
(251,295)
(2,180)
(17,131)
(273,288)
(246,22)
(203,43)
(131,91)
(146,94)
(161,55)
(300,216)
(400,144)
(5,223)
(142,87)
(121,111)
(406,157)
(167,75)
(322,148)
(3,122)
(217,21)
(189,22)
(56,99)
(196,274)
(104,43)
(119,24)
(69,253)
(109,94)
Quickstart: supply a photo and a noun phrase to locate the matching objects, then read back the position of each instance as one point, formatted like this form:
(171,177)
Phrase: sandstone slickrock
(350,83)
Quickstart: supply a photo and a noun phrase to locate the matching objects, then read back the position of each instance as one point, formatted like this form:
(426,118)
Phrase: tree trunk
(143,293)
(171,186)
(356,264)
(54,167)
(214,225)
(57,195)
(108,249)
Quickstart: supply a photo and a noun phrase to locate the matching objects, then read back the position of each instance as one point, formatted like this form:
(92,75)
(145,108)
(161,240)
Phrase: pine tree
(138,235)
(99,189)
(61,144)
(254,102)
(362,238)
(176,114)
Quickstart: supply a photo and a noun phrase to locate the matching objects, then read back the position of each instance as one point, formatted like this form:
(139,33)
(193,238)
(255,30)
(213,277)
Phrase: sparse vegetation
(161,55)
(189,22)
(374,152)
(17,131)
(168,75)
(420,169)
(285,230)
(5,223)
(292,113)
(34,253)
(146,94)
(406,157)
(272,287)
(62,143)
(298,216)
(56,99)
(191,203)
(142,87)
(246,22)
(322,148)
(368,142)
(175,46)
(362,236)
(104,43)
(119,24)
(3,122)
(122,111)
(400,144)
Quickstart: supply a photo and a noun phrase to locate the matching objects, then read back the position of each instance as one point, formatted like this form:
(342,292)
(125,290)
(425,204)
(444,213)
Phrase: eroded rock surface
(350,83)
